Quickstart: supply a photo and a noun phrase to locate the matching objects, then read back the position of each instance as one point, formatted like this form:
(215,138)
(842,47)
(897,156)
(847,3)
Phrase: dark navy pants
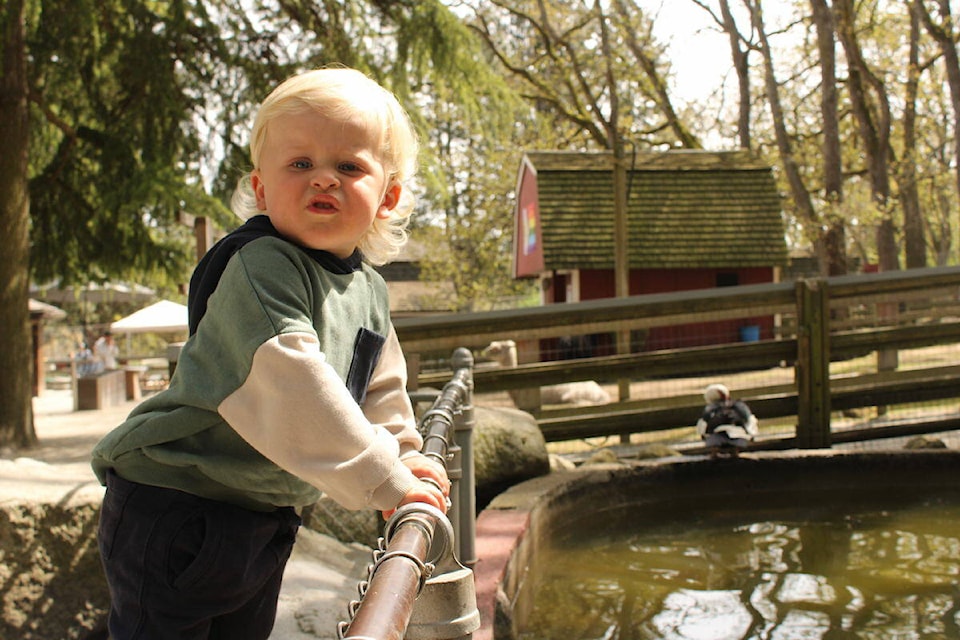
(184,567)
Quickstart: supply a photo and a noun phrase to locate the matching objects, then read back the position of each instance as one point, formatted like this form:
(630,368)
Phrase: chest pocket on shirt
(366,354)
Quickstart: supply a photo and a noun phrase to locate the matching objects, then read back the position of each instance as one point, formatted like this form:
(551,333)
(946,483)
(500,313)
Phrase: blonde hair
(346,95)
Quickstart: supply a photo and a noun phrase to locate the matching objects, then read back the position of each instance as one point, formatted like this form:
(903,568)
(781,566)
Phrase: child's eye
(301,164)
(349,167)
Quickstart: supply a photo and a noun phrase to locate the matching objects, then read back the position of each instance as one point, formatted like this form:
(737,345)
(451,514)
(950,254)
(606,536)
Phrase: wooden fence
(818,321)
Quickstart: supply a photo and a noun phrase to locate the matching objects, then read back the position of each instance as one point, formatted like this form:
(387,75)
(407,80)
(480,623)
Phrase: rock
(925,442)
(508,449)
(328,517)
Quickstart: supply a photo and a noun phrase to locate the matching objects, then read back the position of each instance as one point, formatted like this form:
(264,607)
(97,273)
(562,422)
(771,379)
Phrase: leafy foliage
(597,75)
(113,156)
(141,110)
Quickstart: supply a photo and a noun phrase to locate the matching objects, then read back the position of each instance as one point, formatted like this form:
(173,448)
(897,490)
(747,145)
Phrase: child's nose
(324,180)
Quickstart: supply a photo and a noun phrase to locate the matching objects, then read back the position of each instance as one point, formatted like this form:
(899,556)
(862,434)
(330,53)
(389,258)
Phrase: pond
(846,567)
(772,546)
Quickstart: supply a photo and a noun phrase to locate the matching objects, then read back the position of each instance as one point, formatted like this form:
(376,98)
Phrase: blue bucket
(750,333)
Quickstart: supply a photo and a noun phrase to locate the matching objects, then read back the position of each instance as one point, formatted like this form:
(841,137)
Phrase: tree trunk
(791,169)
(16,411)
(658,85)
(834,258)
(915,245)
(874,127)
(741,65)
(943,34)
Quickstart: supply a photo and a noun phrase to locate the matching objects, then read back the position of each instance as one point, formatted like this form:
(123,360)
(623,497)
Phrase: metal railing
(417,585)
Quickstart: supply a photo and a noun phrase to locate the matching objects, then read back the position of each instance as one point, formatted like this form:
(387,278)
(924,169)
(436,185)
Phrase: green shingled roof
(687,209)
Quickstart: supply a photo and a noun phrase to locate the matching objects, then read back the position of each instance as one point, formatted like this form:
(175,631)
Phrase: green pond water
(833,567)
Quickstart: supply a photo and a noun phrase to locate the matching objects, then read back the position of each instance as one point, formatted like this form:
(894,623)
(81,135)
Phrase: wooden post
(74,387)
(887,359)
(39,369)
(621,260)
(413,371)
(203,231)
(813,365)
(528,399)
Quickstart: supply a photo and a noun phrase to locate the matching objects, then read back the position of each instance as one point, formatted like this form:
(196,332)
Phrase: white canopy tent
(92,292)
(160,317)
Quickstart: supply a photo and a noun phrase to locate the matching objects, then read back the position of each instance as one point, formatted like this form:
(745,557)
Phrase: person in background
(726,426)
(105,351)
(85,362)
(291,382)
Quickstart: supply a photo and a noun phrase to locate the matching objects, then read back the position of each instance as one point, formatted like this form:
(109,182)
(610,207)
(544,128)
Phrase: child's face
(321,181)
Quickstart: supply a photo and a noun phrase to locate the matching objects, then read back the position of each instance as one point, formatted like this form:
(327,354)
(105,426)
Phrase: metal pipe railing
(416,563)
(448,436)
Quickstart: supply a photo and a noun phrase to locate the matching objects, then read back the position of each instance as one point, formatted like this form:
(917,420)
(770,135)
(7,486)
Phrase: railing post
(74,386)
(463,513)
(813,364)
(414,566)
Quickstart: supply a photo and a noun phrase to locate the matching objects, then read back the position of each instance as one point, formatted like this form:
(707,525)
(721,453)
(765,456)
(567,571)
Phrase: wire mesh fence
(891,346)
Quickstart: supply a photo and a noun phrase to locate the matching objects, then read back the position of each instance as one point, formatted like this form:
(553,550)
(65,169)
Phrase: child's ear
(257,185)
(390,200)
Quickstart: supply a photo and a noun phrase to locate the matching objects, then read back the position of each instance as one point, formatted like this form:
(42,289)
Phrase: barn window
(728,279)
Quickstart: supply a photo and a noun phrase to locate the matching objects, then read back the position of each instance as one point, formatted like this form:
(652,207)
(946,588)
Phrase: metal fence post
(416,560)
(813,365)
(464,515)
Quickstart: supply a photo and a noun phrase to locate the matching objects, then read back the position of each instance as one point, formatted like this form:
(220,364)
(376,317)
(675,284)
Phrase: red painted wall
(528,241)
(598,283)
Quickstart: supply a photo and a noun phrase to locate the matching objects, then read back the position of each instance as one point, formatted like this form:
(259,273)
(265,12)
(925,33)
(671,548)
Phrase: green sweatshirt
(259,412)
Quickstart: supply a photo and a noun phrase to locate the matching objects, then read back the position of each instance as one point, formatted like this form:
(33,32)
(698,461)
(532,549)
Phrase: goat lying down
(585,392)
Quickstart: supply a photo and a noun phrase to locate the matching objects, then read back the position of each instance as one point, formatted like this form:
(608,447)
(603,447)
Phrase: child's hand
(429,470)
(433,488)
(424,492)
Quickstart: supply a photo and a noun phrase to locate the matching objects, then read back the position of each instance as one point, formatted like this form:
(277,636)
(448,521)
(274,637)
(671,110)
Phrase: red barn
(696,219)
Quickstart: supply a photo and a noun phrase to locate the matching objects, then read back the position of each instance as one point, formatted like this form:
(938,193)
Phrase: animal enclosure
(852,357)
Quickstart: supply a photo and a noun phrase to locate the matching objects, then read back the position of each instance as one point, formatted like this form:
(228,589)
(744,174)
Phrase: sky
(699,52)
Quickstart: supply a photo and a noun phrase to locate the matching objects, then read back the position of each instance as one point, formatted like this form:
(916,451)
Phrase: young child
(726,425)
(292,381)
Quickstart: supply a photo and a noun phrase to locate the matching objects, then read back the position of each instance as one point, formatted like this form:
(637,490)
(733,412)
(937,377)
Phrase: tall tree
(914,240)
(822,223)
(113,87)
(740,47)
(16,418)
(870,102)
(834,252)
(785,146)
(943,32)
(550,50)
(97,178)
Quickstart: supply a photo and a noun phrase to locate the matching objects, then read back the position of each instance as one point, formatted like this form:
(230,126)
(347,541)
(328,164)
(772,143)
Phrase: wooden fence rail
(893,311)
